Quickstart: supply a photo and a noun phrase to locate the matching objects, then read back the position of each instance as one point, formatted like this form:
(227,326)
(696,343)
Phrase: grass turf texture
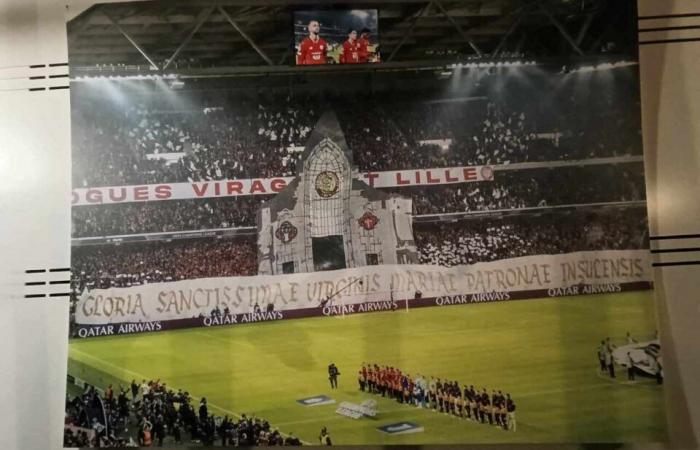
(541,351)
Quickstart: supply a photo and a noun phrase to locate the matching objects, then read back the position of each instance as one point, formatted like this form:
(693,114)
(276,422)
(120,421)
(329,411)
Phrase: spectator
(494,239)
(510,190)
(226,135)
(163,416)
(102,267)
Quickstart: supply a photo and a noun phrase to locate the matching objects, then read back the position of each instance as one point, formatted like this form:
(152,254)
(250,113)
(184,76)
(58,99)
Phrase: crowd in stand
(495,239)
(221,135)
(532,188)
(238,138)
(164,216)
(106,266)
(511,189)
(445,396)
(478,134)
(150,414)
(467,242)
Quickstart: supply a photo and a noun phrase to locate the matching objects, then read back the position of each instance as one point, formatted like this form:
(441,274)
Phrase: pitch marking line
(143,377)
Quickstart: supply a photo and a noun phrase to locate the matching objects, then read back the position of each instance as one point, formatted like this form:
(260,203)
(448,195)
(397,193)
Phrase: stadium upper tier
(136,134)
(510,190)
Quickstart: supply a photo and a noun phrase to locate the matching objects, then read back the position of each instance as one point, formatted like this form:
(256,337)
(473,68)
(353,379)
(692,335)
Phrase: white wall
(671,121)
(34,224)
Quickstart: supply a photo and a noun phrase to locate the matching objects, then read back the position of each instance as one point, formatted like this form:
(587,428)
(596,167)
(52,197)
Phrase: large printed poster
(414,257)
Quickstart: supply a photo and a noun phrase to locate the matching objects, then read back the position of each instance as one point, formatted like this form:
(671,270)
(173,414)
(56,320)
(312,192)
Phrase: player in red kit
(351,49)
(312,49)
(363,46)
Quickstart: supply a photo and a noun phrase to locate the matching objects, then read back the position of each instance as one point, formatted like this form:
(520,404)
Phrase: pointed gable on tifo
(327,218)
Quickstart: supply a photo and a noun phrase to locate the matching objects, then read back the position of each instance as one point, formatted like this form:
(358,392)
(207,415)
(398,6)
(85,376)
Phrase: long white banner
(265,186)
(242,295)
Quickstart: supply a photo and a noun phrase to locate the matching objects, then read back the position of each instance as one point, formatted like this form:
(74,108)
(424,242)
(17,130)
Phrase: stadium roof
(229,35)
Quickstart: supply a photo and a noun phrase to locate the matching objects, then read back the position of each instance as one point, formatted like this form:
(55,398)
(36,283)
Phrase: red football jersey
(363,50)
(312,52)
(351,53)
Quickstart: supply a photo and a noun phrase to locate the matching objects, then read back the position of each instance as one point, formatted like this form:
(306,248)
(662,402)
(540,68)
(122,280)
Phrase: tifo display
(399,253)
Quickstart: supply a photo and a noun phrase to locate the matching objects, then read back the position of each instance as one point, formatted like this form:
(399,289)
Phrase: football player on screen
(366,52)
(350,53)
(313,49)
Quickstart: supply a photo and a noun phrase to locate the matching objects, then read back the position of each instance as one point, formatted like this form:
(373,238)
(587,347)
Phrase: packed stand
(510,190)
(473,134)
(464,242)
(213,135)
(532,188)
(151,414)
(494,239)
(444,396)
(239,138)
(165,216)
(482,132)
(108,266)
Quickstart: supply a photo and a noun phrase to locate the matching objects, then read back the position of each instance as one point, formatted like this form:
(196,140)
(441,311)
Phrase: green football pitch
(543,352)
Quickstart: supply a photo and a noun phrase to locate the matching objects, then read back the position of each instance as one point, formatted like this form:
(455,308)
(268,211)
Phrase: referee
(333,373)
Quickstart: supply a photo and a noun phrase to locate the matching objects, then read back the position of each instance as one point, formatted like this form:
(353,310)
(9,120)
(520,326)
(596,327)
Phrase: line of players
(444,396)
(314,49)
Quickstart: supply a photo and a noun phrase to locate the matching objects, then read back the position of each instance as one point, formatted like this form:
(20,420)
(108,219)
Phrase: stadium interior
(544,92)
(547,166)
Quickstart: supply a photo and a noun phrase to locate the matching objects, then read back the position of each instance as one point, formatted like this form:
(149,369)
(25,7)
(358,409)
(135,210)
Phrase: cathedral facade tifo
(328,219)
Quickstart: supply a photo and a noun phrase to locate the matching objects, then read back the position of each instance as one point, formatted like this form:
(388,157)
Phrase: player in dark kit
(470,395)
(479,408)
(313,48)
(467,400)
(486,405)
(510,407)
(351,49)
(502,410)
(333,373)
(454,395)
(496,407)
(456,400)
